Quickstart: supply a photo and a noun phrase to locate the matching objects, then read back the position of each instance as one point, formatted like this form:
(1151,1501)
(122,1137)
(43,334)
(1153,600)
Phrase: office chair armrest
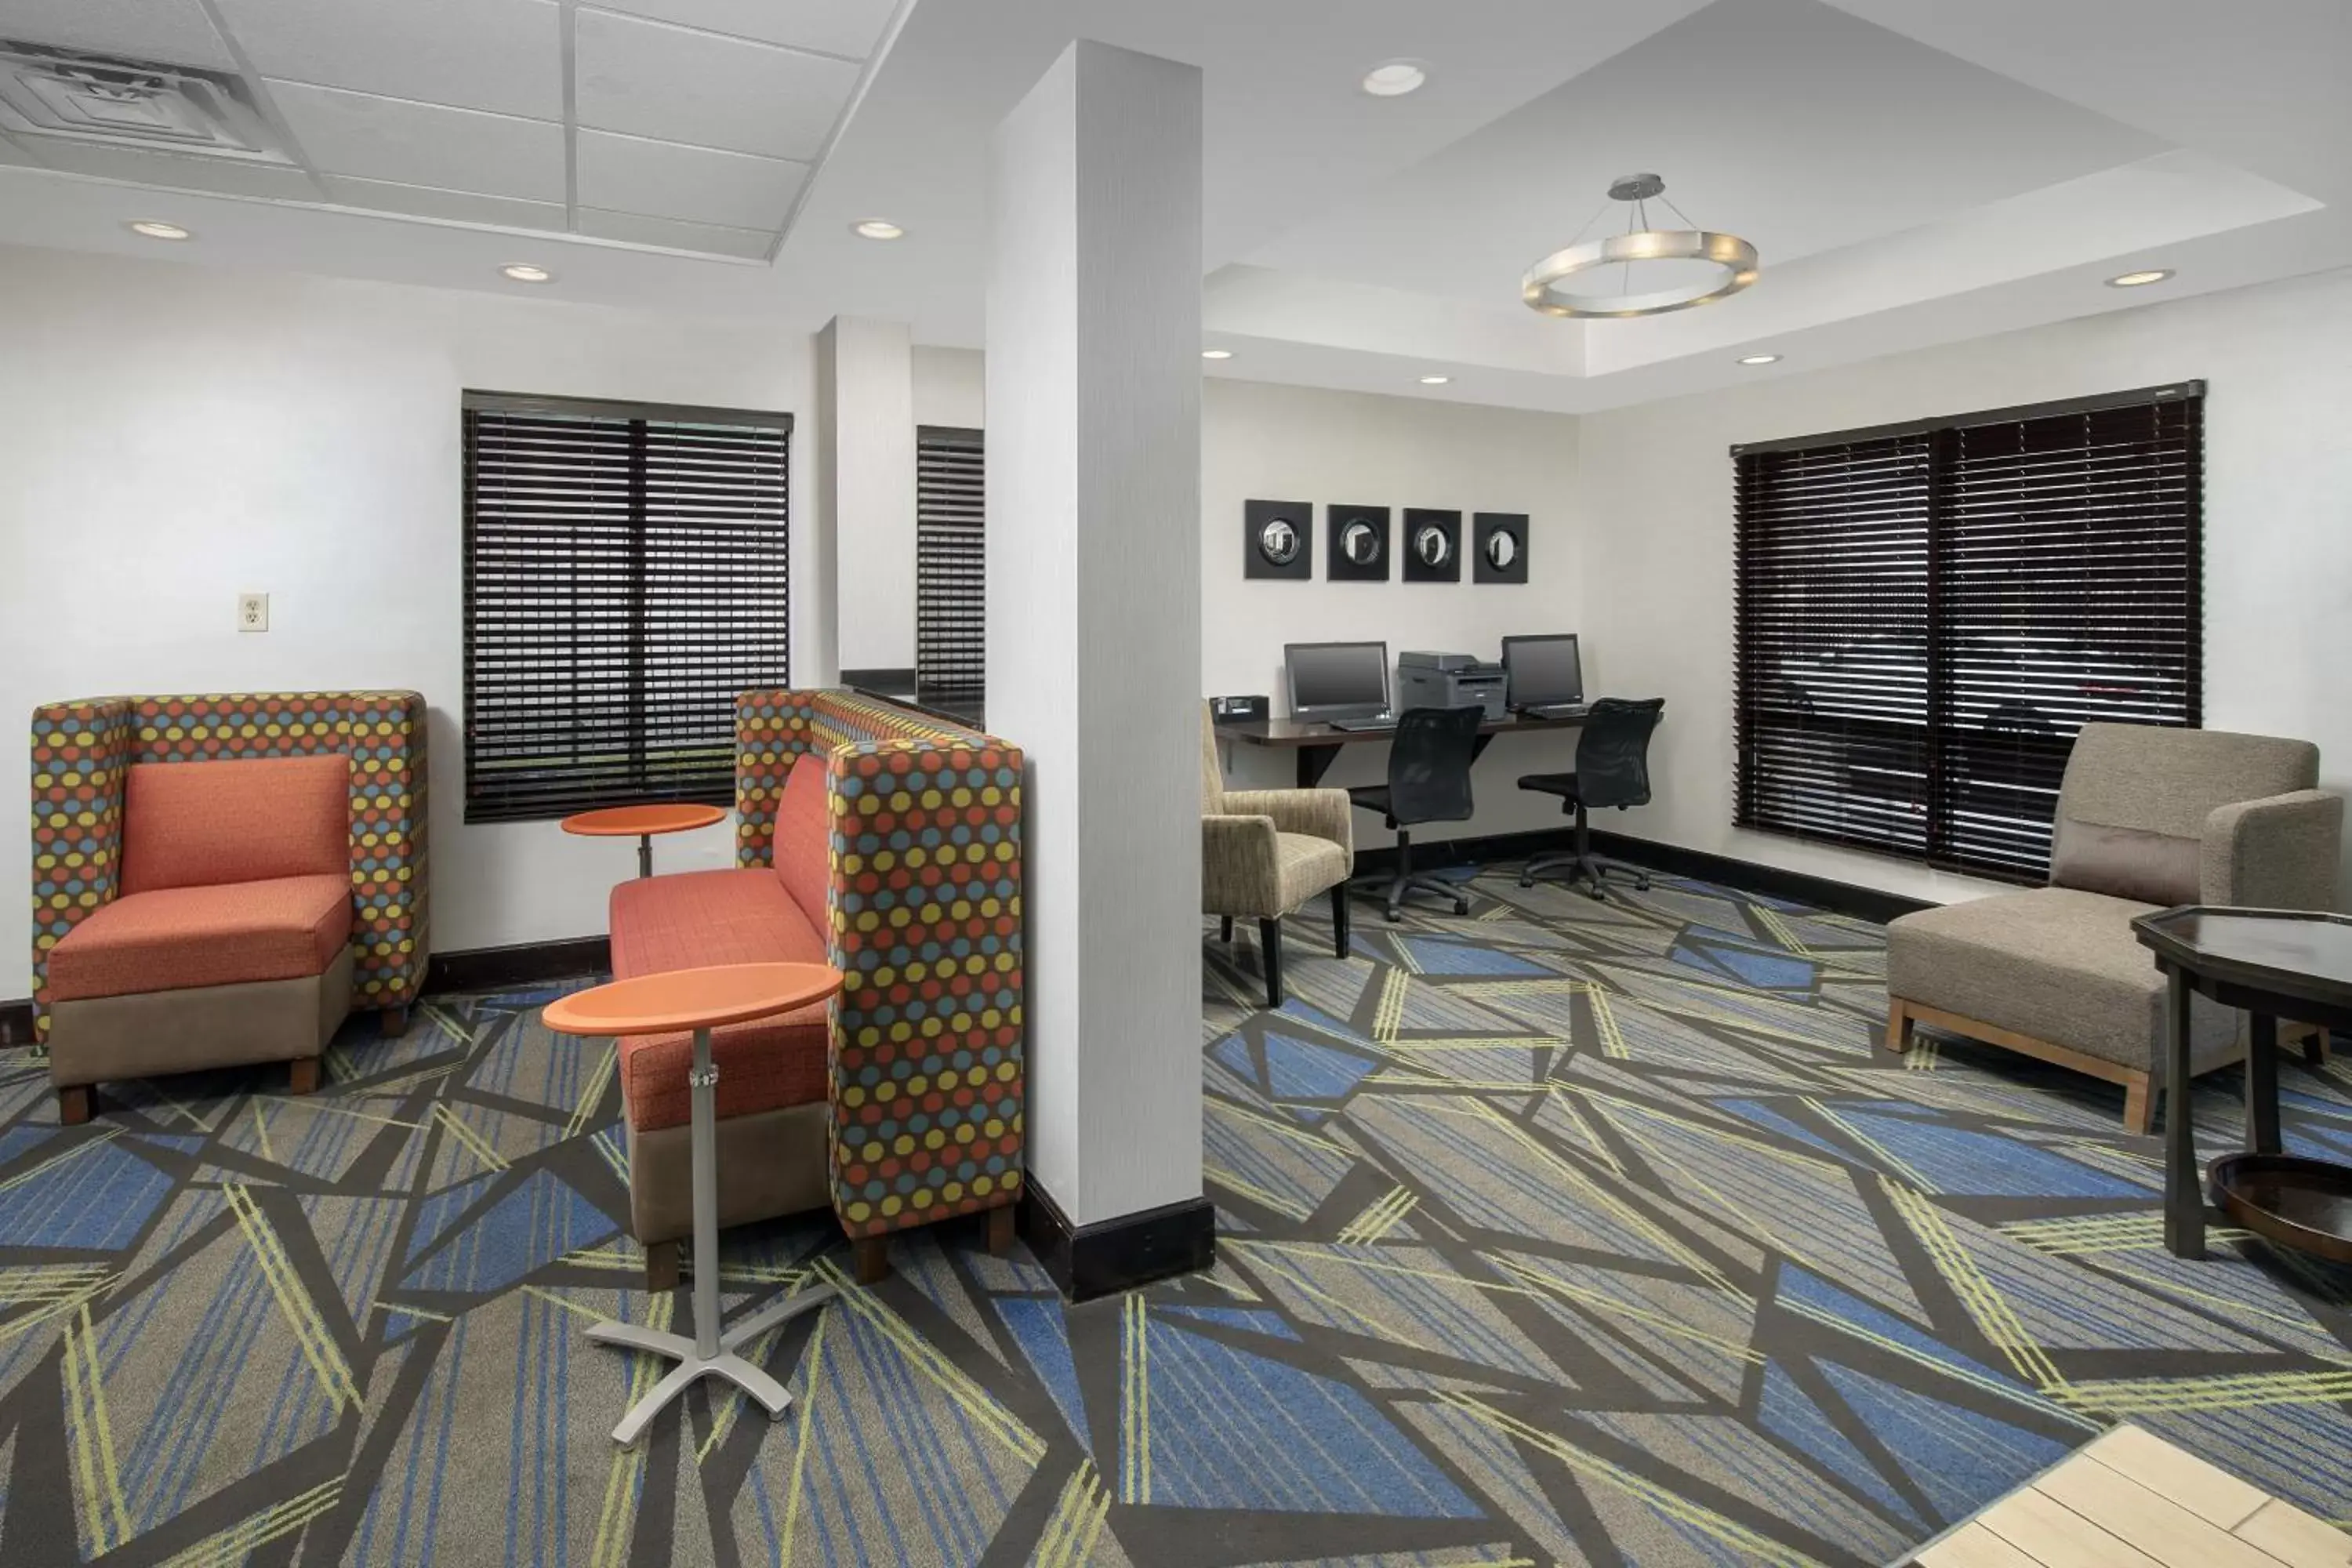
(1240,867)
(1319,812)
(2277,853)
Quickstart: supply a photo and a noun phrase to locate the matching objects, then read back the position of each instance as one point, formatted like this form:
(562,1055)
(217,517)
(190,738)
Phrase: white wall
(866,391)
(951,387)
(1656,483)
(1288,443)
(171,435)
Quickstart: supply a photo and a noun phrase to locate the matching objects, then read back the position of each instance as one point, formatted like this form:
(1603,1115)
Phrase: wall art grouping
(1278,541)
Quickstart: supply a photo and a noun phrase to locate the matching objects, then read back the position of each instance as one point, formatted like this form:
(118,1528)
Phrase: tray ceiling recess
(689,125)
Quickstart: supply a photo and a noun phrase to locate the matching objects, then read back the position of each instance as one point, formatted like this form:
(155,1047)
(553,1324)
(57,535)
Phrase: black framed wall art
(1433,545)
(1278,539)
(1356,544)
(1500,552)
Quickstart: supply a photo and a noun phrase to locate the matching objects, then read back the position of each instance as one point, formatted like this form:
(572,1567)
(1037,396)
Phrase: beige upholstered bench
(2147,818)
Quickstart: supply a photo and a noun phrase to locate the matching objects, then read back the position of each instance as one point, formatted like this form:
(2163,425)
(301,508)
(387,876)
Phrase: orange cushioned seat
(690,919)
(281,928)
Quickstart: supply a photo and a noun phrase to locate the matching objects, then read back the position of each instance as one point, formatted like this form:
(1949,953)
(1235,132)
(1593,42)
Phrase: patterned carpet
(1565,1232)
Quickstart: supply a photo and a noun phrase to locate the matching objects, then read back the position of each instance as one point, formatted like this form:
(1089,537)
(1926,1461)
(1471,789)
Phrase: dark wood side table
(2274,964)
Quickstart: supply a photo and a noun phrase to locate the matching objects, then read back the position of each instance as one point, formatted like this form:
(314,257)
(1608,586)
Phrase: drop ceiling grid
(410,123)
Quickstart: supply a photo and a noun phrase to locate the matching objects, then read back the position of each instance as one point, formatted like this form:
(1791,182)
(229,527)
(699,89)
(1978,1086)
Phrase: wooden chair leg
(73,1105)
(2139,1105)
(2314,1049)
(1000,1229)
(661,1266)
(302,1076)
(1339,939)
(395,1023)
(1269,944)
(1898,1025)
(1225,928)
(871,1258)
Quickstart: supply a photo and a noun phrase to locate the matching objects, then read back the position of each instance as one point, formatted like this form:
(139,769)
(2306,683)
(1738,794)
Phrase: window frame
(485,801)
(1942,500)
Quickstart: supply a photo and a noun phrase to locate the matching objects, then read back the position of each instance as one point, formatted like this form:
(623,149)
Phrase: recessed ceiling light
(876,228)
(1395,79)
(524,272)
(1759,359)
(1216,353)
(161,230)
(1435,380)
(2140,280)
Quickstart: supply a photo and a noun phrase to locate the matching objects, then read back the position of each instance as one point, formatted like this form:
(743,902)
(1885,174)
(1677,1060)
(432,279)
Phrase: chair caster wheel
(1526,880)
(1461,906)
(1597,893)
(1394,916)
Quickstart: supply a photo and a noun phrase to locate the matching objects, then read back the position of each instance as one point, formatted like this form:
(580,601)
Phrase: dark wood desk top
(1288,734)
(2302,955)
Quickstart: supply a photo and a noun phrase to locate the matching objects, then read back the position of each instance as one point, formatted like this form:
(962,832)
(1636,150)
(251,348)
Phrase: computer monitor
(1542,671)
(1337,680)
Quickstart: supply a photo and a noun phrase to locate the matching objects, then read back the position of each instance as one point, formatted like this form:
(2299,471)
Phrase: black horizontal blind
(1929,616)
(625,576)
(1832,685)
(951,565)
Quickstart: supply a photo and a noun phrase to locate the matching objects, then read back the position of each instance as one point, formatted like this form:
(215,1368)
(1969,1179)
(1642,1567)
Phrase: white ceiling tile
(462,206)
(710,238)
(647,78)
(699,184)
(424,143)
(505,56)
(846,28)
(173,32)
(225,176)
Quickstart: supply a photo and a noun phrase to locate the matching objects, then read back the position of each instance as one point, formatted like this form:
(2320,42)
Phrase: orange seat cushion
(190,825)
(803,853)
(693,919)
(175,939)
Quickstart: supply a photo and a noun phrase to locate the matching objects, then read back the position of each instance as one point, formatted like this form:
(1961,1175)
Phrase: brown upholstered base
(105,1039)
(2139,1104)
(770,1162)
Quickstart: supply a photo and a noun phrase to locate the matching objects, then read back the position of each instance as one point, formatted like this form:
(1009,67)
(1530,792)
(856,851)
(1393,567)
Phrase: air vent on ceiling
(127,103)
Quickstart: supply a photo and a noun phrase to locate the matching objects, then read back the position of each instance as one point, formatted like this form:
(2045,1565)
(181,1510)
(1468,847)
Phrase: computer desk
(1317,746)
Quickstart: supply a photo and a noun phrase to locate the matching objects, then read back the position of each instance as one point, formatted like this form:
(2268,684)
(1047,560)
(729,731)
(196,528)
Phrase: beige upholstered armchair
(2147,818)
(1265,852)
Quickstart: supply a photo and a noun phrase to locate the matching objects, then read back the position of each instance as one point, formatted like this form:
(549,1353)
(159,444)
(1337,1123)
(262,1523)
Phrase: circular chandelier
(1700,266)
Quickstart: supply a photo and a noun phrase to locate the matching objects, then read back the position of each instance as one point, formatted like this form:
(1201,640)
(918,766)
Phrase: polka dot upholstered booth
(926,1062)
(82,754)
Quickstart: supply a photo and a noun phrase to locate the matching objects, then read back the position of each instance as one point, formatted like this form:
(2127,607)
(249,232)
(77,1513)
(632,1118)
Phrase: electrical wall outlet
(253,611)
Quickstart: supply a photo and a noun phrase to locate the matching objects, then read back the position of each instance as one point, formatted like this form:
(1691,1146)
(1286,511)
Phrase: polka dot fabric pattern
(83,750)
(927,1077)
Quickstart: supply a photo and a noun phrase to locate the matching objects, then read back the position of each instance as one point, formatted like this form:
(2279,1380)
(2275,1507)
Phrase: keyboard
(1358,726)
(1557,710)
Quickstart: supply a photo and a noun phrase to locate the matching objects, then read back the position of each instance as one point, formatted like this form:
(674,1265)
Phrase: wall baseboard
(17,1021)
(1747,876)
(521,964)
(1088,1261)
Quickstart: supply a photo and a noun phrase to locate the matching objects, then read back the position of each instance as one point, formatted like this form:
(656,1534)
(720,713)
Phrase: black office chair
(1429,781)
(1613,768)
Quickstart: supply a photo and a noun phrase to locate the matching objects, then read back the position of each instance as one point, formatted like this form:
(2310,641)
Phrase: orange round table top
(691,998)
(633,821)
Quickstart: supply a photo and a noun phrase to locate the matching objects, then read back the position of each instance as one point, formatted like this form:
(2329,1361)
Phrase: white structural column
(1094,613)
(865,395)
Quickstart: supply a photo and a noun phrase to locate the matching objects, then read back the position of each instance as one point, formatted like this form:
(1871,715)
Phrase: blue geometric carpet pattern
(1565,1232)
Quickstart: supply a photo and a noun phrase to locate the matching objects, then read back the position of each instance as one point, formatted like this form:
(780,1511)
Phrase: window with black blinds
(625,577)
(1928,613)
(951,567)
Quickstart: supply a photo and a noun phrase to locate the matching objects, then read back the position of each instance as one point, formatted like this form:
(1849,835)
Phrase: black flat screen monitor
(1337,680)
(1543,671)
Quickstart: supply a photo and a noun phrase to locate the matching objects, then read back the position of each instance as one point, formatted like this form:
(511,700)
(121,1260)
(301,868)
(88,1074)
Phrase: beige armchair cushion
(1264,852)
(2138,800)
(2056,964)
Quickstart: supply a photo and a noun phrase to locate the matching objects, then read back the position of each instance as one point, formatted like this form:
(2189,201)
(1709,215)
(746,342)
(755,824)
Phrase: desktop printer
(1450,680)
